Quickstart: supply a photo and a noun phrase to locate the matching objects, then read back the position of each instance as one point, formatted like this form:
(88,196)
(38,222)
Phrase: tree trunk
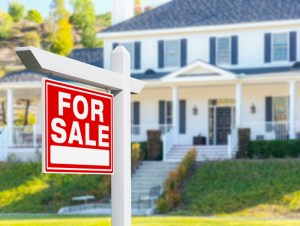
(26,112)
(3,112)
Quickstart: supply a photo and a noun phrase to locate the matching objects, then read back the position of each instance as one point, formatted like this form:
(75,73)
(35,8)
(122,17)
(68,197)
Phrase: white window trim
(165,53)
(272,47)
(217,51)
(132,56)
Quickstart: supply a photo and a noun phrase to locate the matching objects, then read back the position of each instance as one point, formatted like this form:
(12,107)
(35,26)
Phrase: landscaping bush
(16,10)
(171,197)
(135,156)
(274,149)
(32,39)
(35,16)
(6,25)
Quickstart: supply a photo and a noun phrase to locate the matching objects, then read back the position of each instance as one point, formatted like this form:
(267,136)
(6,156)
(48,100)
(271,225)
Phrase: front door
(223,124)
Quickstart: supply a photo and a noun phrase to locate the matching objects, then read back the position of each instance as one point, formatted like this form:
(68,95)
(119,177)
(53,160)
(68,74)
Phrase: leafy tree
(61,38)
(6,25)
(16,10)
(84,18)
(63,41)
(35,16)
(32,39)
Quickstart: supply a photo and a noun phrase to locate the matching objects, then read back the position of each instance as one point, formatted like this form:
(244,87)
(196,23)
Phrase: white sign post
(119,82)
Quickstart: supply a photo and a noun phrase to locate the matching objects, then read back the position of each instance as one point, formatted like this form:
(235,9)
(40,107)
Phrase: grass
(25,189)
(43,220)
(269,188)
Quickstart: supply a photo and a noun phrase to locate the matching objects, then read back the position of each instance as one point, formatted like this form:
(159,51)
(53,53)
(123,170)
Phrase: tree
(6,25)
(16,10)
(32,39)
(84,18)
(63,41)
(35,16)
(61,38)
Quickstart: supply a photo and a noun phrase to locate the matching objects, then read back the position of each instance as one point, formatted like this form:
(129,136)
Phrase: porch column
(175,112)
(239,105)
(10,115)
(292,110)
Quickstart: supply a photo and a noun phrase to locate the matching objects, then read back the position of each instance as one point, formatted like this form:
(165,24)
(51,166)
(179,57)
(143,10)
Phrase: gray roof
(191,13)
(22,76)
(93,56)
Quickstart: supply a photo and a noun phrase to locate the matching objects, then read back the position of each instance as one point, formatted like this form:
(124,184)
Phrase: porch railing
(26,136)
(139,132)
(168,142)
(232,142)
(269,130)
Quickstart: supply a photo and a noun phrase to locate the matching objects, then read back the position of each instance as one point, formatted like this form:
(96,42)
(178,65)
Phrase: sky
(101,6)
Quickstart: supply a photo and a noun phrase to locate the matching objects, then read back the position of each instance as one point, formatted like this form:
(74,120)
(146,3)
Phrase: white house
(210,68)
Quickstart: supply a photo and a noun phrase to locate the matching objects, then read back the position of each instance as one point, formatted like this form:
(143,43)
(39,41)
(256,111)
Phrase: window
(168,116)
(280,47)
(172,50)
(130,49)
(280,109)
(223,50)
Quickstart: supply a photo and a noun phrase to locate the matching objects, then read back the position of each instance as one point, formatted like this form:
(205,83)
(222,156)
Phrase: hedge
(274,149)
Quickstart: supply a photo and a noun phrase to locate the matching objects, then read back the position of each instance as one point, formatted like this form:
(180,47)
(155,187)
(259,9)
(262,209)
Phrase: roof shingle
(192,13)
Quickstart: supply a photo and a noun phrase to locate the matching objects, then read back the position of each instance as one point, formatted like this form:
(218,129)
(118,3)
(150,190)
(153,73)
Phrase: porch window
(172,51)
(280,47)
(280,109)
(223,50)
(130,48)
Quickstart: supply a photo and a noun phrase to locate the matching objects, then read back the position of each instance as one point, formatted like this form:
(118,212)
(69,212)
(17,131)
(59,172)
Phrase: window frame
(287,46)
(229,50)
(168,54)
(286,105)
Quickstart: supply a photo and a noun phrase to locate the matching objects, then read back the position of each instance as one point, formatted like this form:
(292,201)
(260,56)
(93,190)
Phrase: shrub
(35,16)
(172,196)
(6,25)
(274,149)
(16,10)
(135,155)
(32,39)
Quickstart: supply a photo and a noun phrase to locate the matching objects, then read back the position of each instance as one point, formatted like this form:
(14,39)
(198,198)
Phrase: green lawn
(22,220)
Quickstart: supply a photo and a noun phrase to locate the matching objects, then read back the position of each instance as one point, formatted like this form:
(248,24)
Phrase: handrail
(168,142)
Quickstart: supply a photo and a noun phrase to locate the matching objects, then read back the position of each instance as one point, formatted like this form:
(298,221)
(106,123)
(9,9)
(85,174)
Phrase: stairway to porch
(204,153)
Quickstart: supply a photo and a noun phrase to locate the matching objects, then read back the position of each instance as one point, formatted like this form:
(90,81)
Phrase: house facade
(211,67)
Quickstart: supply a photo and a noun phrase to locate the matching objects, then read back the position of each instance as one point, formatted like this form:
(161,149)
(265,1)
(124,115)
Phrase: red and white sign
(78,129)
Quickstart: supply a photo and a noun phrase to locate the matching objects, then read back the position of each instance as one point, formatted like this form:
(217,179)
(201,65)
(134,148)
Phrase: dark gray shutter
(234,50)
(267,47)
(137,55)
(136,113)
(293,46)
(182,116)
(269,113)
(161,54)
(115,45)
(212,50)
(183,52)
(161,113)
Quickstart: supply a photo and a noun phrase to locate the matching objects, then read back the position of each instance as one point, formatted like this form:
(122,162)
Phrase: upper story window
(172,52)
(130,49)
(280,47)
(223,50)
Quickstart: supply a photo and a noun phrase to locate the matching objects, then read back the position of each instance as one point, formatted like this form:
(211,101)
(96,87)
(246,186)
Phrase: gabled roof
(191,13)
(199,71)
(22,76)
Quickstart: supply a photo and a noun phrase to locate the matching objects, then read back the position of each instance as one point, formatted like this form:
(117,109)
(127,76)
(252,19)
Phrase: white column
(121,180)
(10,115)
(239,105)
(292,110)
(175,113)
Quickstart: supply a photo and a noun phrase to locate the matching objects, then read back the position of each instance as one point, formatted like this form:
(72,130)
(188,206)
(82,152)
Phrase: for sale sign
(78,129)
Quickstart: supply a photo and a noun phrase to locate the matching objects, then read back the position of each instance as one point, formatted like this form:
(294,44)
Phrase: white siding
(250,52)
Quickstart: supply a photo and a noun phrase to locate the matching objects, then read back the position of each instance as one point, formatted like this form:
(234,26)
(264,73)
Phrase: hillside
(24,189)
(269,188)
(8,59)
